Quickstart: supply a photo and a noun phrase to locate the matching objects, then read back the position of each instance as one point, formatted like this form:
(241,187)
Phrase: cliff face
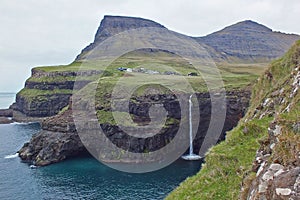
(112,25)
(59,139)
(46,93)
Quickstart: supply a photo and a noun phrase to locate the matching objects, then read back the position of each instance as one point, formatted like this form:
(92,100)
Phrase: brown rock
(5,120)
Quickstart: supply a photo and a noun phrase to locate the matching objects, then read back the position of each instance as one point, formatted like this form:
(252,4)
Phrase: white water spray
(191,155)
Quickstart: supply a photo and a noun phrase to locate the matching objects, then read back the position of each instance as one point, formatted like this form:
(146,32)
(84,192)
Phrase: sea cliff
(260,157)
(59,139)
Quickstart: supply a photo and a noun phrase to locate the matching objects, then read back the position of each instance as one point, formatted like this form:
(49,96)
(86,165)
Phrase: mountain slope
(250,41)
(271,125)
(246,41)
(111,25)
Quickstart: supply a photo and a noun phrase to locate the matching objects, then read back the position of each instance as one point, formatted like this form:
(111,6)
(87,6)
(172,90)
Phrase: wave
(11,156)
(32,166)
(22,123)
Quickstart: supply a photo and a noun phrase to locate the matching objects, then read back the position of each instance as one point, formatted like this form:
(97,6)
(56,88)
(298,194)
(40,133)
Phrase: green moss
(287,151)
(107,117)
(64,109)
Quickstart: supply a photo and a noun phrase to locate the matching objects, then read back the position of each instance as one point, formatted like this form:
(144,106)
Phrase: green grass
(107,117)
(34,92)
(63,110)
(228,164)
(233,75)
(61,79)
(225,166)
(280,70)
(75,66)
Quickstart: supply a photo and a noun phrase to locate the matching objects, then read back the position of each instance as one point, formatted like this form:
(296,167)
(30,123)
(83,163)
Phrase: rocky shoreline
(6,116)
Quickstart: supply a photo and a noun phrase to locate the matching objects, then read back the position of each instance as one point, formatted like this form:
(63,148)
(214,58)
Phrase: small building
(192,74)
(122,69)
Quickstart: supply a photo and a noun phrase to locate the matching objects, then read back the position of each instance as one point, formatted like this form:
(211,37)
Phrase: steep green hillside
(228,166)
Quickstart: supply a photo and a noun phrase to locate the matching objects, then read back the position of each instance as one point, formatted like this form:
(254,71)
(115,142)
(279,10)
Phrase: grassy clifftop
(275,99)
(53,82)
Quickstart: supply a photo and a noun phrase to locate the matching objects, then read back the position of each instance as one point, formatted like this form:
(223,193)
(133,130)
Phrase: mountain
(112,25)
(248,41)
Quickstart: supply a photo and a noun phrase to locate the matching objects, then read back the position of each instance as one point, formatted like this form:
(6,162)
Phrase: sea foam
(11,156)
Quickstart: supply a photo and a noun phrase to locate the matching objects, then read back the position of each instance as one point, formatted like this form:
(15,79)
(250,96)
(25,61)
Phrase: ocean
(78,178)
(6,99)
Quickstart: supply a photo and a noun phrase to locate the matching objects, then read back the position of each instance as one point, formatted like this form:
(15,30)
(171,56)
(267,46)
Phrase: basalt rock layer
(59,139)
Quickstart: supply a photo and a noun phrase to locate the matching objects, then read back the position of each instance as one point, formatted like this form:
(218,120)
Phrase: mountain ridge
(248,40)
(245,24)
(245,41)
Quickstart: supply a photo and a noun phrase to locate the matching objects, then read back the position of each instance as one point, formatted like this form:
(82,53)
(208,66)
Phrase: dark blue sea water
(80,178)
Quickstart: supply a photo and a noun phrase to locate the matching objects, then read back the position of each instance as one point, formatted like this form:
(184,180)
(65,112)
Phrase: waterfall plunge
(191,155)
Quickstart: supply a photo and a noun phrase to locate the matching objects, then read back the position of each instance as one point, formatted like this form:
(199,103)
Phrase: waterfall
(191,155)
(191,125)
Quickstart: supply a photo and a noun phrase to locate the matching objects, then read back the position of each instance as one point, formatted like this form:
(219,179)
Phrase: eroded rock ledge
(6,116)
(59,140)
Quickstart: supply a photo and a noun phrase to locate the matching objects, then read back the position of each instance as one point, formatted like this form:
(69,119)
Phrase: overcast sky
(49,32)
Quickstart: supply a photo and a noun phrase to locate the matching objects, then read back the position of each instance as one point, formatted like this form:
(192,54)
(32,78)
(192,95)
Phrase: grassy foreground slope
(274,98)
